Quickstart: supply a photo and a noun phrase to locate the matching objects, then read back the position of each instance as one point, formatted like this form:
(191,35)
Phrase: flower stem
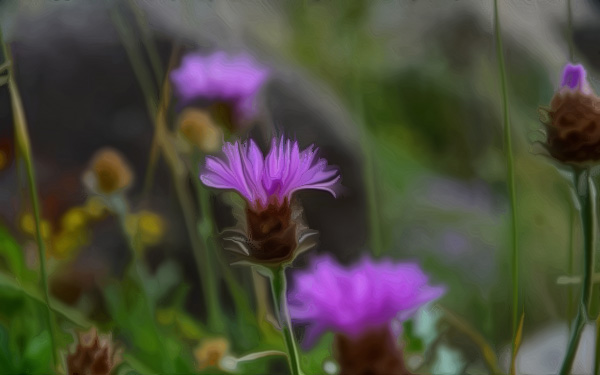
(278,288)
(24,147)
(510,176)
(121,209)
(597,348)
(586,194)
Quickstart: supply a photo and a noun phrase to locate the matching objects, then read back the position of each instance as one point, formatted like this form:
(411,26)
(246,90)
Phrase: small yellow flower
(210,352)
(27,223)
(199,129)
(74,219)
(95,208)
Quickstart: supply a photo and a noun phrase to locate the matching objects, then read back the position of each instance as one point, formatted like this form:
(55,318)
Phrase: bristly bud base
(375,352)
(573,128)
(270,236)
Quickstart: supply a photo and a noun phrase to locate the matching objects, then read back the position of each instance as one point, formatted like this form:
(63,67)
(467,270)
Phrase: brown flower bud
(210,353)
(374,352)
(109,172)
(93,355)
(573,127)
(199,129)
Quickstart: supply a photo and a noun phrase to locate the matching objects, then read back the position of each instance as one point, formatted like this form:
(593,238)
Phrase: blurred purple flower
(574,78)
(271,180)
(353,300)
(219,77)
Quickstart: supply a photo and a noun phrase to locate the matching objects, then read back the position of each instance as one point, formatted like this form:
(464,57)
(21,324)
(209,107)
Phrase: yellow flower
(95,208)
(210,353)
(74,219)
(146,227)
(27,223)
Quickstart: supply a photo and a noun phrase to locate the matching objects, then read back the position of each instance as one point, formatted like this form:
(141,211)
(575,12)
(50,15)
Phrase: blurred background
(403,96)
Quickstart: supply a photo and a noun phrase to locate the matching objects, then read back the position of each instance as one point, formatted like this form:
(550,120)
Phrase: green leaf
(38,354)
(11,253)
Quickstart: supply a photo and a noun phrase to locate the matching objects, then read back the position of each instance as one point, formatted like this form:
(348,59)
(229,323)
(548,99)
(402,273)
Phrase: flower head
(109,172)
(574,77)
(93,354)
(271,180)
(235,80)
(355,300)
(573,120)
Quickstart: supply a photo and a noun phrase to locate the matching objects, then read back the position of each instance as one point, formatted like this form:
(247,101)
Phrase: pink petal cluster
(220,77)
(574,78)
(271,180)
(352,300)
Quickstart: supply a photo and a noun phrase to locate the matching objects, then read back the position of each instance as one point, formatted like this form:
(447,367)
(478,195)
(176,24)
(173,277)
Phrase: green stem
(121,210)
(23,144)
(209,285)
(570,31)
(369,169)
(207,235)
(278,288)
(510,176)
(570,262)
(586,194)
(597,348)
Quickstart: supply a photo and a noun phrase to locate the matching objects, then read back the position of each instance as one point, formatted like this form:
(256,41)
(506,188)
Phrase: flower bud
(108,172)
(93,355)
(199,129)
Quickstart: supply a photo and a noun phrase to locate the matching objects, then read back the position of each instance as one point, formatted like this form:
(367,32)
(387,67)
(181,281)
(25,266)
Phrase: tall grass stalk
(510,169)
(24,148)
(161,136)
(586,193)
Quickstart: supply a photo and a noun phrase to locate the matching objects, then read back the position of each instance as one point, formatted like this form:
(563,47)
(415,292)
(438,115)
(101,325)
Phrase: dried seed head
(210,352)
(93,355)
(375,352)
(108,172)
(199,129)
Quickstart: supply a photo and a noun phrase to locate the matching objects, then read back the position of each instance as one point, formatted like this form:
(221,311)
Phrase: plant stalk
(278,288)
(586,194)
(24,147)
(511,179)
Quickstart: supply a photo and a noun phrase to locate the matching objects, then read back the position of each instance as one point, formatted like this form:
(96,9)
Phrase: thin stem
(570,262)
(510,176)
(278,288)
(23,144)
(369,169)
(570,31)
(597,348)
(161,137)
(135,267)
(207,232)
(586,194)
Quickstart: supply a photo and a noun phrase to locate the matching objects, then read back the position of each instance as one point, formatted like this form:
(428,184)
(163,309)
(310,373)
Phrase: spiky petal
(271,180)
(354,300)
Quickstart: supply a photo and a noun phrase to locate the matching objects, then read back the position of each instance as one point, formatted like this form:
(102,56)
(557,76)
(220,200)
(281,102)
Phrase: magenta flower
(271,180)
(354,300)
(574,78)
(235,80)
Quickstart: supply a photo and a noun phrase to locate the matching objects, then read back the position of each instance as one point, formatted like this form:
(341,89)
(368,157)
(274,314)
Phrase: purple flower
(219,77)
(574,78)
(271,180)
(354,300)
